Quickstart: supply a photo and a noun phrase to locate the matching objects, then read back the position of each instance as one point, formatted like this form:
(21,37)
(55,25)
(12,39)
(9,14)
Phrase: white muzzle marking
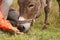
(21,19)
(26,25)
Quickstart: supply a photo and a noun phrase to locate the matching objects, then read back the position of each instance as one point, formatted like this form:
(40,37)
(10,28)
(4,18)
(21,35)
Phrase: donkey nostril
(22,28)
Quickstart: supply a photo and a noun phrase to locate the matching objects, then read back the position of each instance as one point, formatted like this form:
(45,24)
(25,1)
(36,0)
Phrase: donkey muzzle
(24,27)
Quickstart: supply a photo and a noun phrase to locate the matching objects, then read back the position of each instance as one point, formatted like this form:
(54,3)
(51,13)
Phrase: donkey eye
(31,6)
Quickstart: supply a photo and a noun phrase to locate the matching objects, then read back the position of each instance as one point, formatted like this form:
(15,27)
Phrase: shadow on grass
(8,32)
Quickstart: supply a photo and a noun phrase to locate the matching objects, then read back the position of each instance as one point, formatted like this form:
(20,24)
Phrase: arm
(5,24)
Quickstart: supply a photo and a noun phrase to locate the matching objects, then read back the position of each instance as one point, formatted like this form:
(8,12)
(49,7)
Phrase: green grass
(36,32)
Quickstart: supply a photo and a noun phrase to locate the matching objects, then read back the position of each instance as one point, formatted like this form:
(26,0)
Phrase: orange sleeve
(5,24)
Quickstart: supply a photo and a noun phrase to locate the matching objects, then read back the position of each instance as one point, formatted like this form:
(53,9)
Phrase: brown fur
(29,13)
(25,9)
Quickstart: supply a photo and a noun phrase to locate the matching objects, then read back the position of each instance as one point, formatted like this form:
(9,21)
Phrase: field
(36,32)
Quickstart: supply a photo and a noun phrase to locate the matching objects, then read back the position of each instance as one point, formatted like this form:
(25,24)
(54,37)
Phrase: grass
(36,32)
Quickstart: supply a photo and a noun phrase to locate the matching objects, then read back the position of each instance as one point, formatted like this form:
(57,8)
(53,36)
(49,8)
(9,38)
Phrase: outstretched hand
(16,31)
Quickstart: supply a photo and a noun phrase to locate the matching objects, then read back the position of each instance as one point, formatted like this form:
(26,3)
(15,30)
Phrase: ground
(36,32)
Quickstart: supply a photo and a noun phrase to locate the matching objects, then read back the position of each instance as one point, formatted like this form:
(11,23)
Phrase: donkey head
(28,9)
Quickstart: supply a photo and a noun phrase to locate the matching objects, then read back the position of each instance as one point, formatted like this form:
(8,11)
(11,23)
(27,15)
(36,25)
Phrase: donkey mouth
(24,27)
(24,24)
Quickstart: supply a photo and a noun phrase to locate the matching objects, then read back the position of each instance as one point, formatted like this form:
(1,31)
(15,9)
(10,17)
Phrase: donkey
(29,10)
